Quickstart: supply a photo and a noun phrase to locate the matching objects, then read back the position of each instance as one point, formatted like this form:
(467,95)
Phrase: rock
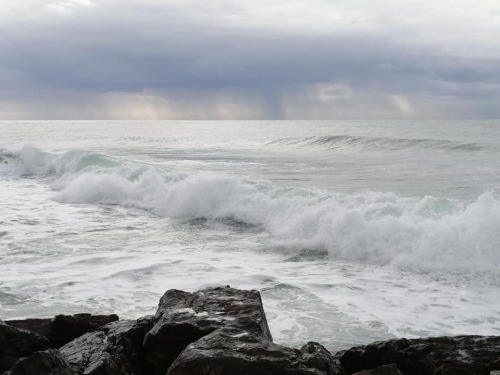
(316,356)
(461,355)
(16,343)
(40,326)
(64,328)
(49,362)
(115,349)
(382,370)
(183,318)
(229,351)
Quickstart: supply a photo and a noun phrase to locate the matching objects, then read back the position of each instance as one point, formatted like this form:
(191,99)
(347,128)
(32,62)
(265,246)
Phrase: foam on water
(116,213)
(441,237)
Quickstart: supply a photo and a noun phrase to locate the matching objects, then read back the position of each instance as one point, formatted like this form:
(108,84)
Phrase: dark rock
(111,350)
(49,362)
(229,351)
(316,356)
(16,343)
(68,327)
(382,370)
(64,328)
(40,326)
(183,318)
(461,355)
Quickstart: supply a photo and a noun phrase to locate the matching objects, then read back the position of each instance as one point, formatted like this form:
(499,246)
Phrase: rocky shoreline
(218,331)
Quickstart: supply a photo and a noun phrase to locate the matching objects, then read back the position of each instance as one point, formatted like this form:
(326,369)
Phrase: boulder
(115,349)
(229,351)
(16,343)
(40,326)
(461,355)
(64,328)
(382,370)
(49,362)
(316,356)
(183,318)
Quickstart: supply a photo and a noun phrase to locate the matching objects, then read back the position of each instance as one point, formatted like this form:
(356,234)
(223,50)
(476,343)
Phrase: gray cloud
(79,59)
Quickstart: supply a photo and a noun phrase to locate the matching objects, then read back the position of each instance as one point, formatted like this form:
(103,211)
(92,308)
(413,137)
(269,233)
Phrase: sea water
(353,231)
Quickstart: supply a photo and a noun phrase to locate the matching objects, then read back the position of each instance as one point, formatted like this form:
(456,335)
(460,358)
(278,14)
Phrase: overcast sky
(249,59)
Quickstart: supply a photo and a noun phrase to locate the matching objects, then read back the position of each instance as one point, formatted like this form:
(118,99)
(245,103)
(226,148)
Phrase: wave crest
(426,234)
(31,161)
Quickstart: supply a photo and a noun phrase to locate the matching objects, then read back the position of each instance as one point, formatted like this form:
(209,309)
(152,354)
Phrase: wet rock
(49,362)
(68,327)
(111,350)
(230,351)
(40,326)
(16,343)
(183,318)
(64,328)
(382,370)
(461,355)
(316,356)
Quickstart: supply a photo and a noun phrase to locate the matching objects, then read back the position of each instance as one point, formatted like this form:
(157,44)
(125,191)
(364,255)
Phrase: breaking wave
(427,234)
(31,161)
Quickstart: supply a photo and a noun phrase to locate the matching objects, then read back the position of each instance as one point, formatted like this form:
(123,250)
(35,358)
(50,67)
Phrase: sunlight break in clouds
(242,59)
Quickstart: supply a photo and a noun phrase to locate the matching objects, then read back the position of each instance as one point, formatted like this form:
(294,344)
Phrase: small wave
(31,161)
(10,163)
(376,143)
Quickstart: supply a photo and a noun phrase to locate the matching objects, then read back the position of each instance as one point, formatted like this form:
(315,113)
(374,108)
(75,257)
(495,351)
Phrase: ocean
(353,231)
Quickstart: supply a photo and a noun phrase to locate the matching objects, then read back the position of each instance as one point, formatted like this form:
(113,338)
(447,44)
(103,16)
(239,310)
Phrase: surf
(437,236)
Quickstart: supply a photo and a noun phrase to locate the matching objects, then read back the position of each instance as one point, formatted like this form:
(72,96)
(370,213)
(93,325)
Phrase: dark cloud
(163,51)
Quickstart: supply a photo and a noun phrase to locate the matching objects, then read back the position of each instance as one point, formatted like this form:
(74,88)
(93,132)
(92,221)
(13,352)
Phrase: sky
(249,59)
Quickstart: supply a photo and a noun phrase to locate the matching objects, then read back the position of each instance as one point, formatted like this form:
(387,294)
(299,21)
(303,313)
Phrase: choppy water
(353,231)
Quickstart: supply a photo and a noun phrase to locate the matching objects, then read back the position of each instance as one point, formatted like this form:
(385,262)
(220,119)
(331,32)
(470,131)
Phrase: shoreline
(219,331)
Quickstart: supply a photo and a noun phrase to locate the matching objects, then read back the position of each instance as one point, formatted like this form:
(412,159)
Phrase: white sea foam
(397,266)
(424,234)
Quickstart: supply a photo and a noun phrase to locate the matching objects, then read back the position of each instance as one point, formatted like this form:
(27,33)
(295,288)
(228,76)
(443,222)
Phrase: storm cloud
(109,59)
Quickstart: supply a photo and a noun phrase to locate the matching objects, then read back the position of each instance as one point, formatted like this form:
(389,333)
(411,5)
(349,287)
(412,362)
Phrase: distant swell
(376,143)
(440,236)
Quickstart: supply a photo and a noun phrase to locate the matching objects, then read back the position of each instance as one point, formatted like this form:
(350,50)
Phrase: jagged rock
(49,362)
(229,351)
(115,349)
(382,370)
(183,318)
(16,343)
(68,327)
(220,331)
(64,328)
(461,355)
(40,326)
(316,356)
